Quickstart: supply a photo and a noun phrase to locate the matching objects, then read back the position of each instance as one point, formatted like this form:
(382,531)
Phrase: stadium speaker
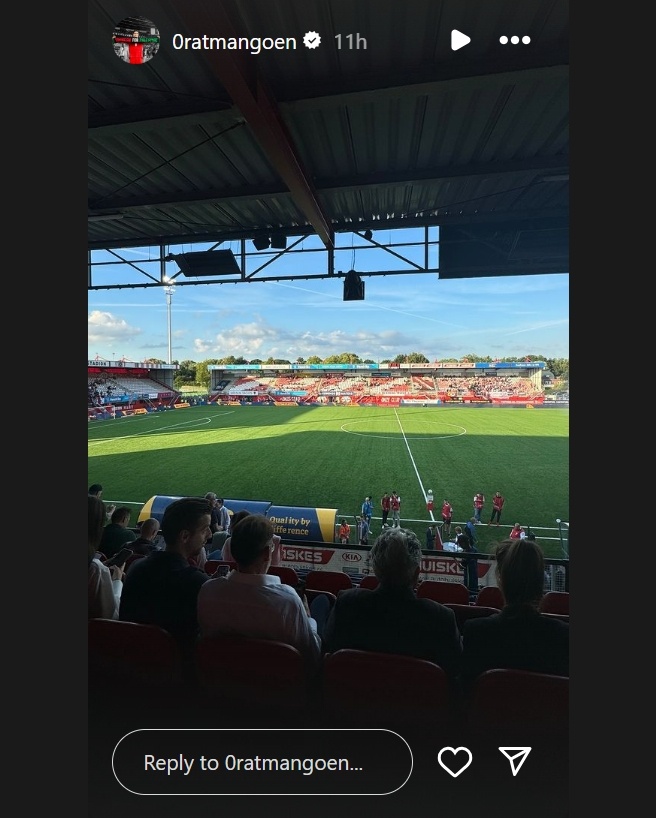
(208,263)
(353,287)
(261,242)
(278,241)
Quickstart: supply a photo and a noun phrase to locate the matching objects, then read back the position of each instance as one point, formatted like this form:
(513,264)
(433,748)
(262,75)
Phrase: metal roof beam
(239,76)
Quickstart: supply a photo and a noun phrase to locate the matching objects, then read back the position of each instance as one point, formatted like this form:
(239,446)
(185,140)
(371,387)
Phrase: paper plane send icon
(458,39)
(516,756)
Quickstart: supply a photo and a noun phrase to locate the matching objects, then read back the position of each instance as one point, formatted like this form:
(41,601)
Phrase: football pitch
(332,457)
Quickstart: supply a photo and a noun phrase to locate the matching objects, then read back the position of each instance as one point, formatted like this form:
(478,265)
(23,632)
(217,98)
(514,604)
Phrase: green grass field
(331,457)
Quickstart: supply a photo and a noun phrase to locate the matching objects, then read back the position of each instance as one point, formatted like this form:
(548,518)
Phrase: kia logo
(351,557)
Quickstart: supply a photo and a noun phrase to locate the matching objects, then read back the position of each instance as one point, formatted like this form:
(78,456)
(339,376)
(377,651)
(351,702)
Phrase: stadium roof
(398,130)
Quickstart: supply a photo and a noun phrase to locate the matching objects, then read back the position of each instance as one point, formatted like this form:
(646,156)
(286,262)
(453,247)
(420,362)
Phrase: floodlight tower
(169,290)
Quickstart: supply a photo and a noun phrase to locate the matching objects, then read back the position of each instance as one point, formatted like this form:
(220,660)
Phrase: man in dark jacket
(390,618)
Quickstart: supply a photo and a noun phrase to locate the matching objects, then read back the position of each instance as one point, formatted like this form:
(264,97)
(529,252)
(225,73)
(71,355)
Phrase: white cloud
(105,328)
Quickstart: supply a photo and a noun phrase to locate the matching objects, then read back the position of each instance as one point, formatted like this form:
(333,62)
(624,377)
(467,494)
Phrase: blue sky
(500,317)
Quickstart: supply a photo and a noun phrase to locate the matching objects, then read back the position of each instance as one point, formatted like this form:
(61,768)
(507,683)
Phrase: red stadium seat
(443,591)
(254,676)
(286,574)
(519,700)
(132,656)
(370,689)
(333,581)
(555,602)
(562,617)
(465,612)
(132,558)
(492,596)
(369,581)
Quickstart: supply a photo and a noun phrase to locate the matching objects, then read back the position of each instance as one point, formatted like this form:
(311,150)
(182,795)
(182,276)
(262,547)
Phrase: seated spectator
(105,584)
(162,588)
(226,553)
(116,533)
(217,542)
(516,532)
(251,602)
(224,515)
(216,518)
(519,636)
(390,618)
(148,533)
(97,490)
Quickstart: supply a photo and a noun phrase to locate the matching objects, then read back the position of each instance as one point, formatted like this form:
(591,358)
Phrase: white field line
(158,430)
(414,465)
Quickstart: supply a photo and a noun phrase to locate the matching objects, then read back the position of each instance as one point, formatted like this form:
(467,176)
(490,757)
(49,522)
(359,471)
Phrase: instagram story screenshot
(328,408)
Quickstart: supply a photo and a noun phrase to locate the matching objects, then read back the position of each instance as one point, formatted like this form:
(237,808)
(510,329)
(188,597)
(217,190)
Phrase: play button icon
(458,39)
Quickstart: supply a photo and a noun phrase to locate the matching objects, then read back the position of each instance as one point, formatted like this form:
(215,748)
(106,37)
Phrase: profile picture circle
(135,40)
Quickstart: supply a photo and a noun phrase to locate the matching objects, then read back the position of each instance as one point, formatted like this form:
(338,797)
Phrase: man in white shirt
(251,602)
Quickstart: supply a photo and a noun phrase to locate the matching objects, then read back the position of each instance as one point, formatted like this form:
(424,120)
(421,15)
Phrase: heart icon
(464,761)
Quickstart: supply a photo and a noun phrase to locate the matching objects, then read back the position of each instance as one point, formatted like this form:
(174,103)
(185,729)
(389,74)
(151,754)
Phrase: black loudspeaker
(208,263)
(278,241)
(353,287)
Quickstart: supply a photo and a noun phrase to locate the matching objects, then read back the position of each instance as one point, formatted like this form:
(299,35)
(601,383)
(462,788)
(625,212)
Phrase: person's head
(96,489)
(219,502)
(517,526)
(458,529)
(211,496)
(396,558)
(252,543)
(520,571)
(237,516)
(464,542)
(472,520)
(186,525)
(497,494)
(96,523)
(342,521)
(121,516)
(149,528)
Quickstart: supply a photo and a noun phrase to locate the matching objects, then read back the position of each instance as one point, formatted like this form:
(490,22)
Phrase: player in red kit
(479,502)
(447,516)
(497,505)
